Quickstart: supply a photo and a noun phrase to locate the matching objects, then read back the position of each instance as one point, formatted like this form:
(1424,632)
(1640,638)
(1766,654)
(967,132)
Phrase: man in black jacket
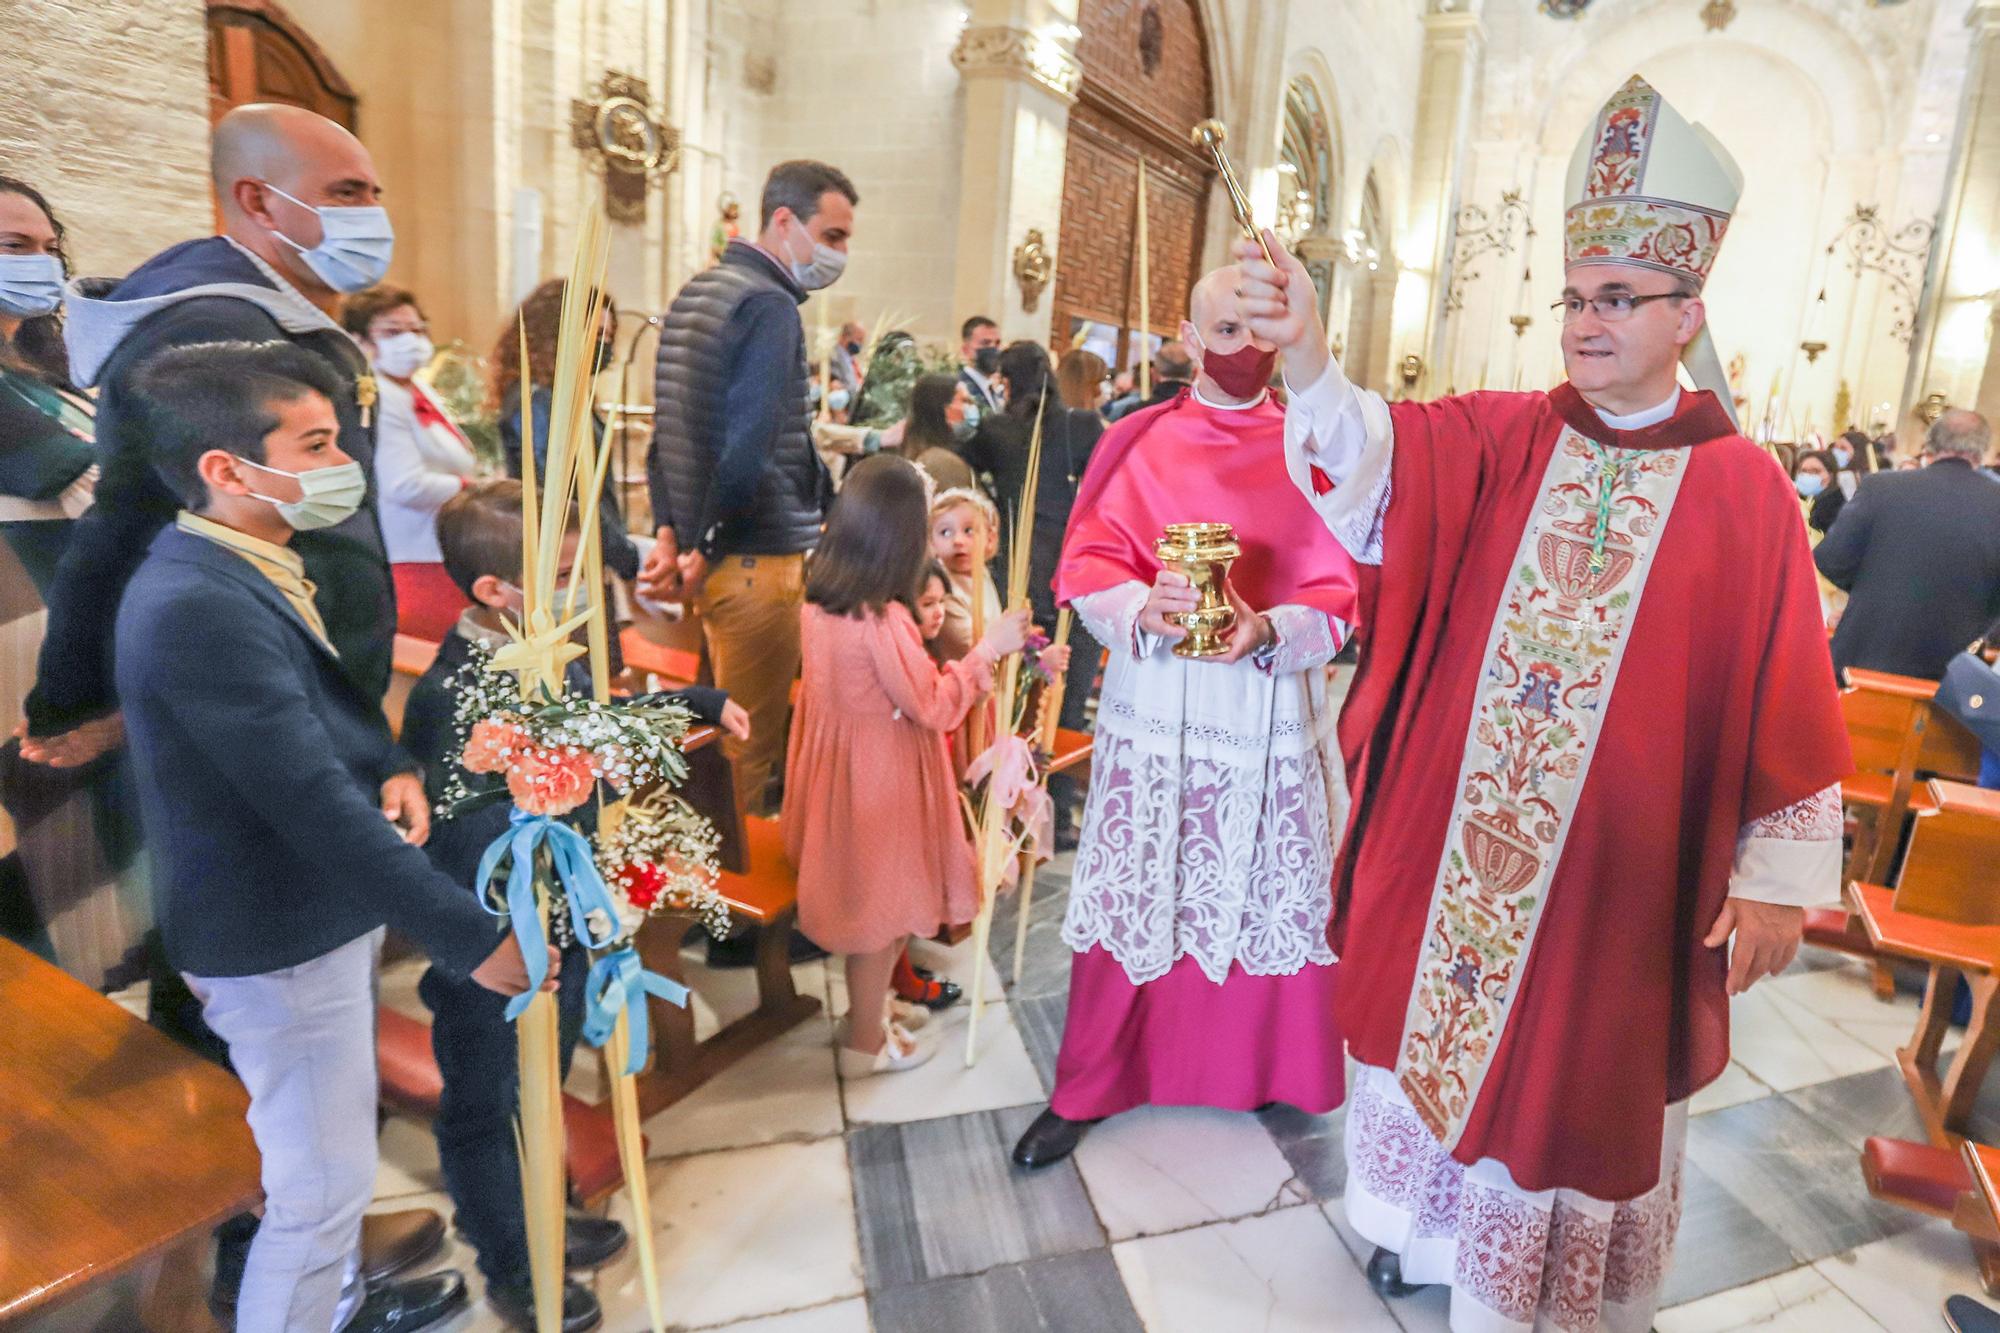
(1919,555)
(301,225)
(1173,370)
(738,490)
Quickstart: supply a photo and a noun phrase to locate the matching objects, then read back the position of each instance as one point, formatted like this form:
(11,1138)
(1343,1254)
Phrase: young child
(265,775)
(479,537)
(965,535)
(872,817)
(930,607)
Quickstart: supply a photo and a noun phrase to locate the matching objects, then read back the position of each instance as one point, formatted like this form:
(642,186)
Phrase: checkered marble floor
(789,1202)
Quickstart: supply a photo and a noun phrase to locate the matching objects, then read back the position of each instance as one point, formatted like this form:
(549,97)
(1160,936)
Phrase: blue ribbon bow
(575,869)
(618,982)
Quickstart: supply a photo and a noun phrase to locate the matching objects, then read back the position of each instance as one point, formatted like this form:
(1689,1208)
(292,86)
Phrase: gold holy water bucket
(1203,553)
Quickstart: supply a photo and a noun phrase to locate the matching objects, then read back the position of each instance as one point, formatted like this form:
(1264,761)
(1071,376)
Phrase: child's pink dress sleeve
(935,698)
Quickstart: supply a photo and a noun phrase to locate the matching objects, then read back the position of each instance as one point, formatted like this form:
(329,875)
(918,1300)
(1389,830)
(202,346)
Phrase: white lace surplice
(1215,800)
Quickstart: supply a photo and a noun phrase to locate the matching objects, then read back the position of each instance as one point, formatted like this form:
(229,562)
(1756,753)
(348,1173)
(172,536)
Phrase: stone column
(1018,58)
(1447,88)
(1952,351)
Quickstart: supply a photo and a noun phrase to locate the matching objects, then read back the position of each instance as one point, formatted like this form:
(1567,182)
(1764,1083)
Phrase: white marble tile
(742,1234)
(783,1091)
(1283,1272)
(839,1317)
(1425,1310)
(406,1159)
(1800,1301)
(1003,1076)
(1786,1046)
(1164,1168)
(1903,1281)
(1735,1086)
(1843,998)
(950,964)
(723,995)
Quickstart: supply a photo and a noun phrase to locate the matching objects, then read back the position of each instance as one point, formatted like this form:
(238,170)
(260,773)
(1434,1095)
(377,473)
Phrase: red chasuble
(1184,462)
(1720,709)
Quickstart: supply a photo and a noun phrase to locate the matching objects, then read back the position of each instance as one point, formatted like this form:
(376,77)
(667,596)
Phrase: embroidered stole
(1552,658)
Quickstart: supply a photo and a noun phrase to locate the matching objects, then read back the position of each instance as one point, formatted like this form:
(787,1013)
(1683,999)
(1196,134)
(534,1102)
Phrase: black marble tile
(1860,1105)
(1072,1293)
(1721,1242)
(1315,1145)
(939,1198)
(1798,1177)
(1046,971)
(1039,1020)
(1812,958)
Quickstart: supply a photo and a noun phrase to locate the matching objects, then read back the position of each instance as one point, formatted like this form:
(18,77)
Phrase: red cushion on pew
(404,1062)
(1827,927)
(1915,1175)
(411,1083)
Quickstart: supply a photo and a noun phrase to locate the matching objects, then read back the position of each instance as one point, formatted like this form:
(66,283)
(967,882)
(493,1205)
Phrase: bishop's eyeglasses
(1610,308)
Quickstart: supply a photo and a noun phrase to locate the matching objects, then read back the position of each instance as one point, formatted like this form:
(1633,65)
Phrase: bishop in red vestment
(1593,735)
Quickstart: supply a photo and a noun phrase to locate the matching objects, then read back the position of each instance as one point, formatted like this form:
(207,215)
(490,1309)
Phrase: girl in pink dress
(872,818)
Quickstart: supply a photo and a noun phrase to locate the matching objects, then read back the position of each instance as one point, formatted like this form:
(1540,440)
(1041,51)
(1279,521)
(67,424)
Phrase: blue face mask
(355,246)
(30,285)
(1809,484)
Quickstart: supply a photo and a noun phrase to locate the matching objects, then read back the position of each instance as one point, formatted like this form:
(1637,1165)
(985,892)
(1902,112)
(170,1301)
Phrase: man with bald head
(1199,904)
(301,225)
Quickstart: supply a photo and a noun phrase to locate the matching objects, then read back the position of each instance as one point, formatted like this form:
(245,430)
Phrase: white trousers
(303,1042)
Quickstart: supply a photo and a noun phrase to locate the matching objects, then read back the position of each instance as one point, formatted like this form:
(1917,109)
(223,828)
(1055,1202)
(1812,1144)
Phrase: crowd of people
(230,480)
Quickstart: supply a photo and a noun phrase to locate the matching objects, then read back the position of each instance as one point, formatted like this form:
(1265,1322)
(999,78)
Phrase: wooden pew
(119,1152)
(1955,1183)
(1897,736)
(1943,913)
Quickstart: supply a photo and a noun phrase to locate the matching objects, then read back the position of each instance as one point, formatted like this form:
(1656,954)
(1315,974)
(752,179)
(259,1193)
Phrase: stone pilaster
(1447,93)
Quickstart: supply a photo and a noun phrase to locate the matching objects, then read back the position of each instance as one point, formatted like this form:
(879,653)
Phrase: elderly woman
(422,458)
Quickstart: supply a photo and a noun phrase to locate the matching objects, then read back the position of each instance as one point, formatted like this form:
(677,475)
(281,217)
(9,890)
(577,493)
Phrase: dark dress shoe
(515,1303)
(393,1243)
(1050,1139)
(404,1307)
(1066,839)
(591,1242)
(1385,1275)
(931,993)
(1963,1314)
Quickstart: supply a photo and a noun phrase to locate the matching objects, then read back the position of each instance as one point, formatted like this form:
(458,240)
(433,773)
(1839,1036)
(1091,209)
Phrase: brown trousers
(749,609)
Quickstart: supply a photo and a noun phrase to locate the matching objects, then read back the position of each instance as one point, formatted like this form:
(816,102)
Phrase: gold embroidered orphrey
(1552,658)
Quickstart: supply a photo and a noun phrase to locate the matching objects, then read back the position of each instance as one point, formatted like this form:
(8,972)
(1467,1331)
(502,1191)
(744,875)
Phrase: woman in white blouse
(422,458)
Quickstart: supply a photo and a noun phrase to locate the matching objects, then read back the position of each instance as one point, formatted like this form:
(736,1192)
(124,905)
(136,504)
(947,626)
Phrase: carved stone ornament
(625,140)
(1033,266)
(1152,38)
(997,49)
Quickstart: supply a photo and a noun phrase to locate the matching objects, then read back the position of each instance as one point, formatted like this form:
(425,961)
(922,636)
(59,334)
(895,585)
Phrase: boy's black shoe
(515,1303)
(591,1242)
(404,1307)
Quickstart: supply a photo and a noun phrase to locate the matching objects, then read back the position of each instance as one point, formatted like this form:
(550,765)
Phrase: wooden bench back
(1952,870)
(1885,716)
(1949,750)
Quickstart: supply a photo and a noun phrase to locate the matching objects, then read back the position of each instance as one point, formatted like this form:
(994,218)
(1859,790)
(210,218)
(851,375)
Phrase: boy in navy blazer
(284,820)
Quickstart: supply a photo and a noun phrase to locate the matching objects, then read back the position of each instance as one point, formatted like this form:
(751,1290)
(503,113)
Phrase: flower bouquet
(574,764)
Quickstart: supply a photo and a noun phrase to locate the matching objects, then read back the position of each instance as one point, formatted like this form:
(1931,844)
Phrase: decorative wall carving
(996,49)
(1899,256)
(1476,234)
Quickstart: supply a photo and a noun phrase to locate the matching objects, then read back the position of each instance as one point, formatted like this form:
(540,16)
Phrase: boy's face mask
(327,495)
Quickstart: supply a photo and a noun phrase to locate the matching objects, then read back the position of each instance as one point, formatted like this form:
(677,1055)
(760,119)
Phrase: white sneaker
(900,1051)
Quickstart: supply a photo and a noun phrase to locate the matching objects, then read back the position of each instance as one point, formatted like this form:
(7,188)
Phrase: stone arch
(1308,180)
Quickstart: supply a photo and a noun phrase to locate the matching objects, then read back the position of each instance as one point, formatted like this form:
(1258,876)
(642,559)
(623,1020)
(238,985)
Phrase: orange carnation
(551,782)
(493,745)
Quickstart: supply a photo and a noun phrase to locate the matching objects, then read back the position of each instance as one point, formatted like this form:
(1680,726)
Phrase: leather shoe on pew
(404,1307)
(591,1242)
(393,1243)
(1050,1139)
(515,1303)
(1962,1314)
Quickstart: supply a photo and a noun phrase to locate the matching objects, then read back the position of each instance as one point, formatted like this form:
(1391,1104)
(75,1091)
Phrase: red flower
(551,782)
(643,884)
(493,745)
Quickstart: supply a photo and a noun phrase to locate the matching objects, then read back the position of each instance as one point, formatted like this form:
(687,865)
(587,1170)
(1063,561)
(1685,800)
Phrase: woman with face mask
(46,438)
(1814,474)
(528,391)
(422,458)
(1850,459)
